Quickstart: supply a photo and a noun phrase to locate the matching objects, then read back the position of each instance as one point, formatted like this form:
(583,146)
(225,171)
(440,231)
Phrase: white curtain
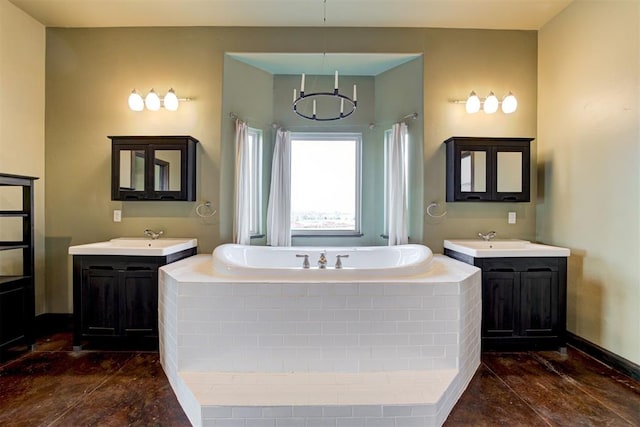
(241,223)
(397,179)
(279,208)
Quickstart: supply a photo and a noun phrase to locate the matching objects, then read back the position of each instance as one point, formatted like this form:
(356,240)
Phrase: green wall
(90,73)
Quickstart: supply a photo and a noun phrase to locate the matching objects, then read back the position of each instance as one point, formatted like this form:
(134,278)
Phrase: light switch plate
(512,218)
(117,215)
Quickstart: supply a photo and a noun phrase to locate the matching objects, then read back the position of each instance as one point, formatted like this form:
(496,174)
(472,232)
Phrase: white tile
(367,315)
(367,411)
(246,412)
(337,411)
(396,410)
(351,422)
(260,423)
(396,315)
(307,411)
(216,412)
(290,422)
(321,422)
(359,302)
(277,411)
(334,301)
(347,315)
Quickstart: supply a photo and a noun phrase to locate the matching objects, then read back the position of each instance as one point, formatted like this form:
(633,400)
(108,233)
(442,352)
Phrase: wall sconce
(489,104)
(153,102)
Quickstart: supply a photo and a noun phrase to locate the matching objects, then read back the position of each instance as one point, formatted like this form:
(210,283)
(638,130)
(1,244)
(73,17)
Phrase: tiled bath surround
(351,346)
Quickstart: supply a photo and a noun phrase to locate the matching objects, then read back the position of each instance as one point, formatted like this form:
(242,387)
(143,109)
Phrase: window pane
(324,179)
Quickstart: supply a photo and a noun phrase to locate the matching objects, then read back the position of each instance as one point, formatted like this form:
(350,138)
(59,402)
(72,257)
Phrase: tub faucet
(154,235)
(322,262)
(339,260)
(487,237)
(305,263)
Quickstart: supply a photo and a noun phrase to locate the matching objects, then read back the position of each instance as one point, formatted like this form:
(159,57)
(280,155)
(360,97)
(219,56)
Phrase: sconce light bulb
(491,104)
(152,101)
(135,101)
(473,103)
(509,104)
(171,101)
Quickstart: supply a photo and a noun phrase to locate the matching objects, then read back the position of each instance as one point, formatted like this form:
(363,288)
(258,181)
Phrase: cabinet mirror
(473,171)
(132,170)
(509,169)
(166,170)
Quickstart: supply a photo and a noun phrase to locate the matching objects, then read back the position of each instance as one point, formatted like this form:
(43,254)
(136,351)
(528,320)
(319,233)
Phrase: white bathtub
(369,262)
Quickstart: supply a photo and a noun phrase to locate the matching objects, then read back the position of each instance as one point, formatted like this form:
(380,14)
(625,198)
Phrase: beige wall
(22,70)
(90,73)
(589,154)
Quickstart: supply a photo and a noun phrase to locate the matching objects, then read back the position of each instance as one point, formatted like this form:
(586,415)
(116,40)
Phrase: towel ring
(207,205)
(432,205)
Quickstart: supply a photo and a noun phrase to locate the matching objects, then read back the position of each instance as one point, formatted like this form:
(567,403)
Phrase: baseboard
(605,356)
(50,323)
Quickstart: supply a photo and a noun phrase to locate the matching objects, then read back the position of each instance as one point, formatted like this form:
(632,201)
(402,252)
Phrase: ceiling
(481,14)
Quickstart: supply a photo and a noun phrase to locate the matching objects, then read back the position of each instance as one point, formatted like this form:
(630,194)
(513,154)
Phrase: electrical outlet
(511,218)
(117,215)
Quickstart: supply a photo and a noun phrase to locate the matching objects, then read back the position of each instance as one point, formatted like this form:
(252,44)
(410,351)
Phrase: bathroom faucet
(339,260)
(487,237)
(322,262)
(305,263)
(153,234)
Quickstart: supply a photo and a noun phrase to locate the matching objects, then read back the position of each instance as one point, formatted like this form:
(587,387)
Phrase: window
(387,142)
(325,183)
(254,138)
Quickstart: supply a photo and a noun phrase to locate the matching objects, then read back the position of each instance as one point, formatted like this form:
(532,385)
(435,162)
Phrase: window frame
(357,138)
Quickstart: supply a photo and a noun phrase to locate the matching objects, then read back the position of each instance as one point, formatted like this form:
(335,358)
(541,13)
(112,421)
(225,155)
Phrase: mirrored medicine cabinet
(153,168)
(488,169)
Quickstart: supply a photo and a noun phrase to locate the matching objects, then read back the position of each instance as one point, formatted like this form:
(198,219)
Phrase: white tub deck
(338,354)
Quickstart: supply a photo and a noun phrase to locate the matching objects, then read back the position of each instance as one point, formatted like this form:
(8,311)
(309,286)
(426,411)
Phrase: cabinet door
(500,299)
(511,173)
(139,302)
(12,313)
(99,301)
(539,303)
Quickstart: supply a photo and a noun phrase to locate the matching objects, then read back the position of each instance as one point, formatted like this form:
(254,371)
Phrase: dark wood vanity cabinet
(117,296)
(148,168)
(488,169)
(17,284)
(523,301)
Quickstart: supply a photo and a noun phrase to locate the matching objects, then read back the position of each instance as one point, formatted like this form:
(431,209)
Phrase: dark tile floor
(54,386)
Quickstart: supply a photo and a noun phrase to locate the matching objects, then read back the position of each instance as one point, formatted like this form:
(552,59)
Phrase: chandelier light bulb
(135,101)
(473,103)
(490,104)
(509,104)
(171,101)
(152,101)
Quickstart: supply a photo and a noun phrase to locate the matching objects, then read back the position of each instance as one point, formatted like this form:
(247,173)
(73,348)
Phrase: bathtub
(247,334)
(368,262)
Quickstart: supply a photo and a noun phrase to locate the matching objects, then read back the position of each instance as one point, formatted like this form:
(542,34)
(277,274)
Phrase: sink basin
(504,248)
(135,246)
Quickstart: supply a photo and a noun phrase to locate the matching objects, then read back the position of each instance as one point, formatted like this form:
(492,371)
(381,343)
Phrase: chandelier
(344,108)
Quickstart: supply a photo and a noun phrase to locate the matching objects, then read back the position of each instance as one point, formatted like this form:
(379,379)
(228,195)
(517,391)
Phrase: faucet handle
(305,263)
(339,260)
(487,237)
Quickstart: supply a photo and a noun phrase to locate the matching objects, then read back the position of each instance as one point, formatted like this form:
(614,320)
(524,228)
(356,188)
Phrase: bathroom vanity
(115,287)
(524,288)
